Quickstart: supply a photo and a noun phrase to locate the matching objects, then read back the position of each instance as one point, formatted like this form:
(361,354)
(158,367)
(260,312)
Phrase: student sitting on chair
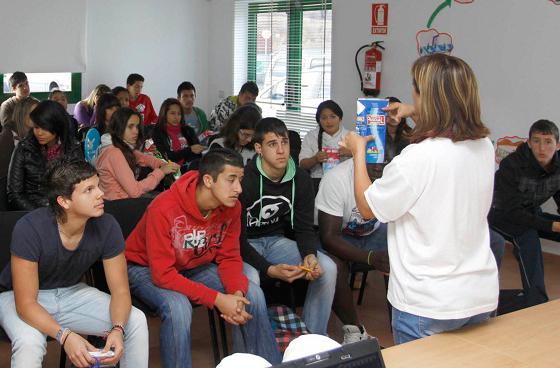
(175,140)
(222,111)
(185,250)
(48,140)
(42,294)
(237,134)
(526,179)
(195,117)
(119,163)
(278,202)
(20,88)
(140,102)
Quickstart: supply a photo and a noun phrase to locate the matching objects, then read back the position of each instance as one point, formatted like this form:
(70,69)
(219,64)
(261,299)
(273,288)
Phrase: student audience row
(237,208)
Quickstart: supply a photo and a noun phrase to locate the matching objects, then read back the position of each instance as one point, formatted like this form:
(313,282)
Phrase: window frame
(74,96)
(295,10)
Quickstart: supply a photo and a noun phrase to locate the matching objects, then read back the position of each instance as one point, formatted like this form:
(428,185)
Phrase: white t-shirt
(336,198)
(435,196)
(309,147)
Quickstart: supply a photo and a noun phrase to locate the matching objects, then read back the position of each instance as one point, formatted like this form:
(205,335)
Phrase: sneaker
(354,334)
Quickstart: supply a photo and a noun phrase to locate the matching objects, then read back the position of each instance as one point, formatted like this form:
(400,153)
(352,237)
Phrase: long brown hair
(117,126)
(449,99)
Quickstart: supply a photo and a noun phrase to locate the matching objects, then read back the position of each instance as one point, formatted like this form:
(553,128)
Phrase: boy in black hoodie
(278,201)
(526,179)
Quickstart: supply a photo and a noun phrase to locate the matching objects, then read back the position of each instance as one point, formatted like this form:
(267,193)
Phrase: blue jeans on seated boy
(175,310)
(408,327)
(320,293)
(82,309)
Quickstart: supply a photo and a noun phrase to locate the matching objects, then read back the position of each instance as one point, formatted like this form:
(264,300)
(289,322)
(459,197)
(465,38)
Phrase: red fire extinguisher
(370,80)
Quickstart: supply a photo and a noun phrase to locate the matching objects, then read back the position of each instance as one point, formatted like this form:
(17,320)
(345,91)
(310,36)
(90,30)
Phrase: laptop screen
(362,354)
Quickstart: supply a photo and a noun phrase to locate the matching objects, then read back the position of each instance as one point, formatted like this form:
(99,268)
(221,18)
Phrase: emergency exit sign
(379,18)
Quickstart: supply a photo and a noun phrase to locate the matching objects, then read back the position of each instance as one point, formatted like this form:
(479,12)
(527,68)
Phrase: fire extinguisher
(370,80)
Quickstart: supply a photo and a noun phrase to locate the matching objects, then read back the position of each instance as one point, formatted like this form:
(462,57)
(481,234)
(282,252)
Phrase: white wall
(165,41)
(511,45)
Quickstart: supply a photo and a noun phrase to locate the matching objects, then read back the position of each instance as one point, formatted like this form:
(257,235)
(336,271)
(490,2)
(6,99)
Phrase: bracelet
(66,338)
(60,334)
(369,257)
(117,327)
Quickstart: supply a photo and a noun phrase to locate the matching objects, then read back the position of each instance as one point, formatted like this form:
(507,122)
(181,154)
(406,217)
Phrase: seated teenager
(195,117)
(107,104)
(60,97)
(175,140)
(119,163)
(221,112)
(276,206)
(140,102)
(348,237)
(84,111)
(20,118)
(237,134)
(320,150)
(185,251)
(48,140)
(526,179)
(122,94)
(20,88)
(42,294)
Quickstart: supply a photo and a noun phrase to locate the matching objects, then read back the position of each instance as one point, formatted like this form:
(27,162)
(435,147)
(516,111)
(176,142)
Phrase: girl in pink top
(119,164)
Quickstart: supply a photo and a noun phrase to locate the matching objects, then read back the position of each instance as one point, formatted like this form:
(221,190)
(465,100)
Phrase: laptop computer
(361,354)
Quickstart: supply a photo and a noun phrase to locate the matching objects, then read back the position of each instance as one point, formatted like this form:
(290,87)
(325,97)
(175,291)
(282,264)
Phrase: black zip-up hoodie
(276,208)
(521,186)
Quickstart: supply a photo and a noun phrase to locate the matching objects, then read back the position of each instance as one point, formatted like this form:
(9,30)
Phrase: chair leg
(352,280)
(362,288)
(214,336)
(223,334)
(389,306)
(62,361)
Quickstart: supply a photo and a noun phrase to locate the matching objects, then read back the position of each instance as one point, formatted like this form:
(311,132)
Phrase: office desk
(529,338)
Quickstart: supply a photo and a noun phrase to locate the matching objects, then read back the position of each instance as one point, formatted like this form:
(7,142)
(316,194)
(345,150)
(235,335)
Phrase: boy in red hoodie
(139,101)
(185,250)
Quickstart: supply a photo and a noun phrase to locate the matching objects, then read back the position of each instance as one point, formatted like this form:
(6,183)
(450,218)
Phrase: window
(39,83)
(285,47)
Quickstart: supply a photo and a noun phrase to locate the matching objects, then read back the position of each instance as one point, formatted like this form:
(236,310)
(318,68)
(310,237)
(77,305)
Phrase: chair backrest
(8,220)
(91,145)
(128,213)
(4,193)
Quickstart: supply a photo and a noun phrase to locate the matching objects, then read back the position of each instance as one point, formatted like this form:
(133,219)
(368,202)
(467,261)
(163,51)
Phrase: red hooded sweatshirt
(173,236)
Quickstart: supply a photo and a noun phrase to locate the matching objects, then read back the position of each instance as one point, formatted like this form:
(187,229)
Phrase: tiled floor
(373,313)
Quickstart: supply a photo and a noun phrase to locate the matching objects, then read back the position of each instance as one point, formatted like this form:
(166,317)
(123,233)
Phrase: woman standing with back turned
(435,197)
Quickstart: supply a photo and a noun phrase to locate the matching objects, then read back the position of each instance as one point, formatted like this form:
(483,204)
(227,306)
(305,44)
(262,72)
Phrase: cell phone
(102,354)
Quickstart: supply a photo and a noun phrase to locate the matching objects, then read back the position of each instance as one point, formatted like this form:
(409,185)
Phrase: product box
(332,160)
(370,120)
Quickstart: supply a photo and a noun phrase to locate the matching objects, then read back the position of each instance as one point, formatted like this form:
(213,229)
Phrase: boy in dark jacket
(527,178)
(278,201)
(185,250)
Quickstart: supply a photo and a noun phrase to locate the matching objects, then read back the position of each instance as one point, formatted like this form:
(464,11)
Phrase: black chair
(4,193)
(513,299)
(364,269)
(128,213)
(8,220)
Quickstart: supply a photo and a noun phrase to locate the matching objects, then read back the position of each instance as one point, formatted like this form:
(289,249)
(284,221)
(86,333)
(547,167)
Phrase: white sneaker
(354,334)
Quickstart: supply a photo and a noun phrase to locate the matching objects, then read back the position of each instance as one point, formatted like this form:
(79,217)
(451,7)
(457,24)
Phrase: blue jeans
(175,311)
(320,293)
(376,241)
(81,308)
(408,327)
